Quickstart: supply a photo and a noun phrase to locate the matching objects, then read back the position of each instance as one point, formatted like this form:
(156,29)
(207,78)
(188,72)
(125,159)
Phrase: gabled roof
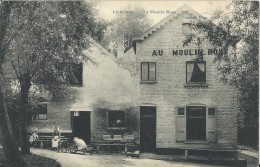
(185,9)
(94,43)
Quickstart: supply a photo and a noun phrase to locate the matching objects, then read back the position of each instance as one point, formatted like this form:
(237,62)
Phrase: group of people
(56,137)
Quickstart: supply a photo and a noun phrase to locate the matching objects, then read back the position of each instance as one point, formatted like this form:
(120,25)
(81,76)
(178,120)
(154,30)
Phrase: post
(186,154)
(41,144)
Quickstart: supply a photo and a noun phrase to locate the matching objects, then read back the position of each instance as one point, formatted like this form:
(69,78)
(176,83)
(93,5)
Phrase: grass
(32,161)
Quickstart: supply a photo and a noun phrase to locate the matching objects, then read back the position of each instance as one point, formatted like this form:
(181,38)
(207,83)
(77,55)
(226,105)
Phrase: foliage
(126,26)
(43,43)
(237,27)
(10,147)
(49,38)
(32,161)
(13,107)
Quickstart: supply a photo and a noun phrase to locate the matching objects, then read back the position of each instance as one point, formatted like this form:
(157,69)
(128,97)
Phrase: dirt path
(97,160)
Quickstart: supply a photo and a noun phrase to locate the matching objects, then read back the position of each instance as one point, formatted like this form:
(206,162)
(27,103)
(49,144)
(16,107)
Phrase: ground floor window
(116,119)
(40,111)
(196,123)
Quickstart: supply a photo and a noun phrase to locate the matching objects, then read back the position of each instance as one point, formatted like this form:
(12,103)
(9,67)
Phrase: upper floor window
(195,72)
(40,111)
(148,71)
(76,78)
(116,119)
(186,28)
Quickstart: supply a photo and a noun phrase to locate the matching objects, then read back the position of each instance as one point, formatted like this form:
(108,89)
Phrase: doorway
(81,126)
(147,129)
(196,123)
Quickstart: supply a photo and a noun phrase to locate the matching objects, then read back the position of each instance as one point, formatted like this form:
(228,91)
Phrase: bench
(116,142)
(46,139)
(211,152)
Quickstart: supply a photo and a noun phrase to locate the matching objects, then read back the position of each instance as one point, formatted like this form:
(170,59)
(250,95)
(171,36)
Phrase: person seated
(33,139)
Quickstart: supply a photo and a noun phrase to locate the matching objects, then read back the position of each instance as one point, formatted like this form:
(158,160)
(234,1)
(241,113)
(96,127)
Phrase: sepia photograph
(112,83)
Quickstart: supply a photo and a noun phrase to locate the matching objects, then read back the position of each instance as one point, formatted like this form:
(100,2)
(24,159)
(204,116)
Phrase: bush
(248,136)
(32,161)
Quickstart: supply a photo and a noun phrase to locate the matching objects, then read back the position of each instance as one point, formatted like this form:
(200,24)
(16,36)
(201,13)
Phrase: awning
(148,104)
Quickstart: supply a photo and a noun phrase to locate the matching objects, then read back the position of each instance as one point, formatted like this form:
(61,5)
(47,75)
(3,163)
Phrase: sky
(107,8)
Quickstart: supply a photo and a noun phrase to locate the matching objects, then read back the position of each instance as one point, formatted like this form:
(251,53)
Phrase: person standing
(55,138)
(56,131)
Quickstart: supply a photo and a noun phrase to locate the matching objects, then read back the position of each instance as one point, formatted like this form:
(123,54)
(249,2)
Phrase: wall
(99,127)
(58,113)
(106,84)
(169,92)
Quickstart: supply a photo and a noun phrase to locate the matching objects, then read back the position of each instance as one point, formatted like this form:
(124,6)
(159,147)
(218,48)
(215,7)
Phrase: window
(76,113)
(148,71)
(196,123)
(195,72)
(180,111)
(75,79)
(127,42)
(211,112)
(186,29)
(116,119)
(40,112)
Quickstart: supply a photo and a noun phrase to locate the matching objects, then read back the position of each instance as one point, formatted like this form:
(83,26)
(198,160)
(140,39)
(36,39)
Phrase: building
(162,95)
(180,97)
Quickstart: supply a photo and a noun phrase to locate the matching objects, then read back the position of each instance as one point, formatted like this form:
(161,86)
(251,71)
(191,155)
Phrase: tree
(10,146)
(124,27)
(238,27)
(46,38)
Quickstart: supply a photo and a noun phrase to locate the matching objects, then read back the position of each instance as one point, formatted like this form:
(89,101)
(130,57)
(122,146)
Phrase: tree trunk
(9,143)
(25,84)
(10,146)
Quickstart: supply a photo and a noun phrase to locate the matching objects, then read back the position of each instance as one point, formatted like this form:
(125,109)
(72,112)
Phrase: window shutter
(211,124)
(181,124)
(152,71)
(71,119)
(144,75)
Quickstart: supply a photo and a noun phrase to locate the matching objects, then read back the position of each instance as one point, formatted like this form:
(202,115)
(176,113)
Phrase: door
(148,129)
(81,126)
